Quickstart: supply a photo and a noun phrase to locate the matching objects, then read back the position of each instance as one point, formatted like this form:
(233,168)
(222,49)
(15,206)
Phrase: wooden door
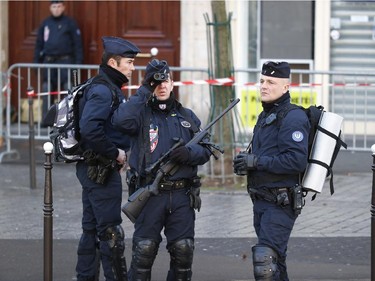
(146,23)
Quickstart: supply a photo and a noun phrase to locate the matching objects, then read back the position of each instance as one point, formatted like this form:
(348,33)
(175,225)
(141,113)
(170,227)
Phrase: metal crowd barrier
(349,94)
(22,76)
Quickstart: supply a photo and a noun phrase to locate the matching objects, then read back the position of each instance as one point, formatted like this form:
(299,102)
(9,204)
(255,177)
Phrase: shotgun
(136,202)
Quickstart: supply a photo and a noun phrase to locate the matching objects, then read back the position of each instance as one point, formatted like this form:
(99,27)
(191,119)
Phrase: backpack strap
(284,111)
(81,89)
(101,79)
(313,113)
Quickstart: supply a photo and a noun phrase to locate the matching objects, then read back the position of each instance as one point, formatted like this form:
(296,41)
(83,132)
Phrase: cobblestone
(223,214)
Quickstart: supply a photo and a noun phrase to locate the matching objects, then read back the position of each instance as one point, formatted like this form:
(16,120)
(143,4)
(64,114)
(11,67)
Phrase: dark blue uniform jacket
(63,38)
(129,118)
(281,147)
(97,132)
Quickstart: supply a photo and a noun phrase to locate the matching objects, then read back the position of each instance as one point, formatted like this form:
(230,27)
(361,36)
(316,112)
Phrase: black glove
(156,72)
(92,162)
(244,161)
(92,172)
(180,155)
(195,200)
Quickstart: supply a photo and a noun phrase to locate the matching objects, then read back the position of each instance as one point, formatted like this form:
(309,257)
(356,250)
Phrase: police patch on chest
(154,137)
(185,124)
(297,136)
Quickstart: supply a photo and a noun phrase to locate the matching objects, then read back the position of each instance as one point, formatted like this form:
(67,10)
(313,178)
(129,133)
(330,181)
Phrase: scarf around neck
(267,107)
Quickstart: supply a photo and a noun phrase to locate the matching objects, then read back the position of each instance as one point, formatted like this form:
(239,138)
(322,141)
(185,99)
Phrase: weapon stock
(139,198)
(136,202)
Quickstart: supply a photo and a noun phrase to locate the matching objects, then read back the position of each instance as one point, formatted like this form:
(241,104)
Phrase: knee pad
(265,262)
(181,260)
(182,253)
(144,253)
(114,236)
(143,256)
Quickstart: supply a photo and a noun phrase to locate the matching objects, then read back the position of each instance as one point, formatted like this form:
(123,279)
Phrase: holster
(196,182)
(261,193)
(297,198)
(105,168)
(281,196)
(91,161)
(99,167)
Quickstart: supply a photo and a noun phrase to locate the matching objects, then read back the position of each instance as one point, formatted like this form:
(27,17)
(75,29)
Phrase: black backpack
(314,114)
(65,129)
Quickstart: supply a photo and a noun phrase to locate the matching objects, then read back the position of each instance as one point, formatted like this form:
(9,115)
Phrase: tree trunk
(223,68)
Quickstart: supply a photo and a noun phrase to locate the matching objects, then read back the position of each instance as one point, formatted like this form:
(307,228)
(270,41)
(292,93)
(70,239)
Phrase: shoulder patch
(154,137)
(297,136)
(185,124)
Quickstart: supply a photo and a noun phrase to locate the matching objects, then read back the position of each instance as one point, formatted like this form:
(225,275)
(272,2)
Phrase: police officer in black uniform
(58,42)
(277,155)
(99,174)
(156,120)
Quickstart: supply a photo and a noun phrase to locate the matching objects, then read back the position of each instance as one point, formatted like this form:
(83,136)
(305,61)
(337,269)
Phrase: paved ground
(331,239)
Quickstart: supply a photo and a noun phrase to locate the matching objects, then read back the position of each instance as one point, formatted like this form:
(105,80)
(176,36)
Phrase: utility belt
(278,195)
(281,196)
(166,185)
(56,58)
(134,182)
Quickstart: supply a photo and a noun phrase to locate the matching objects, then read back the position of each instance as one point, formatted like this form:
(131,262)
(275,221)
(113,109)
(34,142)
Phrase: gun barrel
(199,137)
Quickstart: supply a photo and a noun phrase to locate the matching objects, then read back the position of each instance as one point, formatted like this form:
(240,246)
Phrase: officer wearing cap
(156,119)
(99,174)
(275,157)
(58,42)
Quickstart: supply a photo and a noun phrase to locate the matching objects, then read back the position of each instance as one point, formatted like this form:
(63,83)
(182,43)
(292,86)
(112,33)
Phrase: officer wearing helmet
(277,154)
(104,151)
(156,120)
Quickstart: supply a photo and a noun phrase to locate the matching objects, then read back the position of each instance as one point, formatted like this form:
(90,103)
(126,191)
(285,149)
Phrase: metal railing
(351,95)
(348,94)
(22,76)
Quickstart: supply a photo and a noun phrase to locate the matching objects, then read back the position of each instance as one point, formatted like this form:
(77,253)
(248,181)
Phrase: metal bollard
(30,94)
(48,211)
(373,216)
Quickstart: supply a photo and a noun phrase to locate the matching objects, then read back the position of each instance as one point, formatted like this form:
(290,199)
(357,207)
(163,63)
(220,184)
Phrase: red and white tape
(219,81)
(229,82)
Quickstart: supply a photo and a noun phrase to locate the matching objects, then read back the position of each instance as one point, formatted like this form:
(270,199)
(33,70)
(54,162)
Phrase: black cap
(119,46)
(279,69)
(56,2)
(157,66)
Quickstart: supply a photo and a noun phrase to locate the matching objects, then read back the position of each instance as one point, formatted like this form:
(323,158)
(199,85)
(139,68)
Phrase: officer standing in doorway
(277,154)
(104,151)
(157,120)
(58,42)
